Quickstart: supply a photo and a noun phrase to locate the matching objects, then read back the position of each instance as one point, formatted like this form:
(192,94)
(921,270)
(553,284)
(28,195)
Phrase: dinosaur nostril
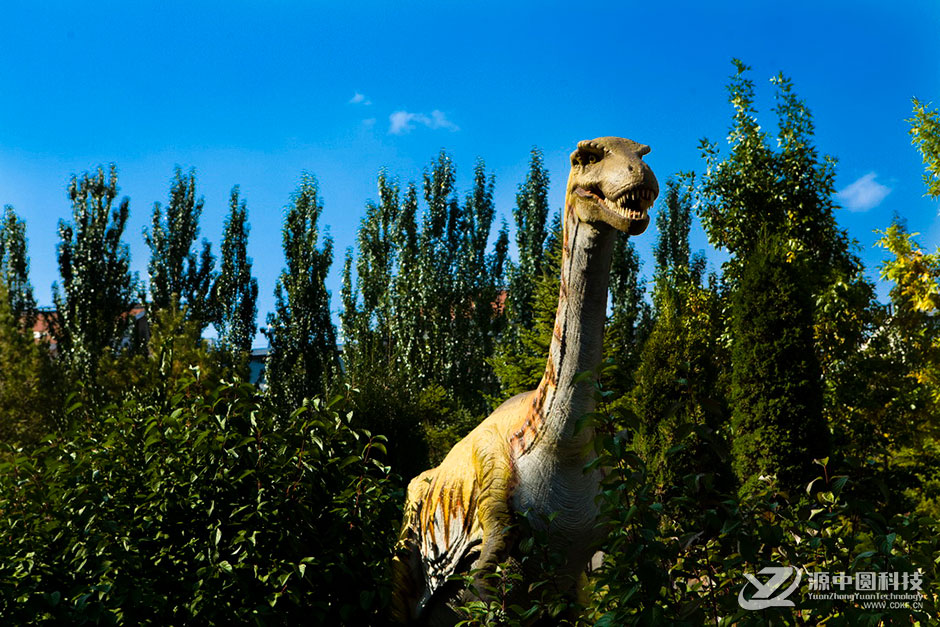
(630,167)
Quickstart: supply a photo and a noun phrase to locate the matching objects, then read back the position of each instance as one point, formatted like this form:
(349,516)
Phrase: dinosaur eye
(585,156)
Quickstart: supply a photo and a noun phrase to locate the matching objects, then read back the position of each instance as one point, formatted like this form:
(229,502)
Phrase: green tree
(369,306)
(407,325)
(303,360)
(896,410)
(477,320)
(925,134)
(235,292)
(29,390)
(519,358)
(677,375)
(630,317)
(519,361)
(174,267)
(530,215)
(212,509)
(94,263)
(175,349)
(14,266)
(788,192)
(776,393)
(438,249)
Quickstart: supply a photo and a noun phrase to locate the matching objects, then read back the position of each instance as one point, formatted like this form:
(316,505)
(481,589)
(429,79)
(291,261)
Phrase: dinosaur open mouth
(632,204)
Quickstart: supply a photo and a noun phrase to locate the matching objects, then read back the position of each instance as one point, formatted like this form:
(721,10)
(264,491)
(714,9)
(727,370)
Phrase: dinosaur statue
(527,455)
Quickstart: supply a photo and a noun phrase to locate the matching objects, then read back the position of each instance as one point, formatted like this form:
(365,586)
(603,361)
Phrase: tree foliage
(756,189)
(235,292)
(14,265)
(520,359)
(776,393)
(925,135)
(98,288)
(208,510)
(530,215)
(678,370)
(302,360)
(174,266)
(423,311)
(30,391)
(775,414)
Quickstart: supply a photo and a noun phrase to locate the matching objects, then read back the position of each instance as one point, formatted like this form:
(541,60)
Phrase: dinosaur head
(610,183)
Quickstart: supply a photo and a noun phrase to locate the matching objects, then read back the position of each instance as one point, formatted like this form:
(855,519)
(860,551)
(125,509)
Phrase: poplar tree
(407,325)
(175,267)
(516,355)
(235,291)
(519,361)
(14,266)
(438,249)
(530,215)
(303,360)
(367,326)
(97,286)
(476,317)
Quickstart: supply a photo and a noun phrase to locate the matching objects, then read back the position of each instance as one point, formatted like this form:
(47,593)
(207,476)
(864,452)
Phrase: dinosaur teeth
(622,205)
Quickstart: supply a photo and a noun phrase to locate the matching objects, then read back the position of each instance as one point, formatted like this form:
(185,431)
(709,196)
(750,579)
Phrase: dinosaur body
(527,455)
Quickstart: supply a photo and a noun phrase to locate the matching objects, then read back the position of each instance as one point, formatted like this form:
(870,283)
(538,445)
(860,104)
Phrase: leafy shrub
(679,556)
(216,510)
(681,559)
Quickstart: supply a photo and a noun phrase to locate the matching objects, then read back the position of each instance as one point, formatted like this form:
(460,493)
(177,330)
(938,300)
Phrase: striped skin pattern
(527,456)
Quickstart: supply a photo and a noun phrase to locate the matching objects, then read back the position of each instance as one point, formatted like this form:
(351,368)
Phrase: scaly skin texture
(527,456)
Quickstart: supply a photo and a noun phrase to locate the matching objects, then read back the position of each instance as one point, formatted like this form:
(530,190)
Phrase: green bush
(680,557)
(216,511)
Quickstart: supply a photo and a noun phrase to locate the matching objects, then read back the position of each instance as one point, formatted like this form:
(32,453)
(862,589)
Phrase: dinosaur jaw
(628,211)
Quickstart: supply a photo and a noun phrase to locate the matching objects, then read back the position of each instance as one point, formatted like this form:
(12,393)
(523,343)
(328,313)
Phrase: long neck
(578,335)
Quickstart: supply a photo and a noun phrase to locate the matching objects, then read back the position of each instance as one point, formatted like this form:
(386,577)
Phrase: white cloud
(402,122)
(360,99)
(368,123)
(864,194)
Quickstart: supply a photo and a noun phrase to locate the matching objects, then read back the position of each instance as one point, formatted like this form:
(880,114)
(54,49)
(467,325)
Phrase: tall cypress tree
(678,366)
(14,266)
(235,291)
(776,390)
(303,360)
(174,267)
(94,263)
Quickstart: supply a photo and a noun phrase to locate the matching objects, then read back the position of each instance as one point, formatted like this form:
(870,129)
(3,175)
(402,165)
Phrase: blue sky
(254,93)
